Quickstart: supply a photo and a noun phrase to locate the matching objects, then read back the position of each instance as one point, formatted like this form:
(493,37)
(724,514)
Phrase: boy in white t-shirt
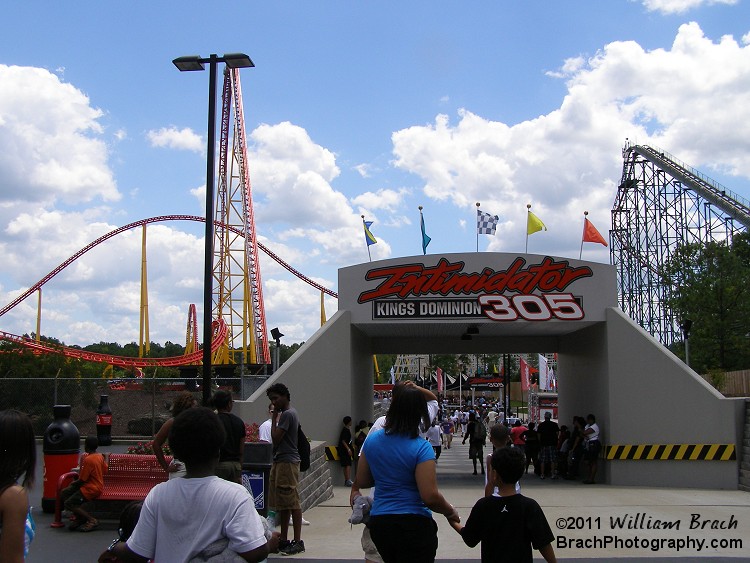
(183,517)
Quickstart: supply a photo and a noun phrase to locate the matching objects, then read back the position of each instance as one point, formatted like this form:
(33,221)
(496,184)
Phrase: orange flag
(590,234)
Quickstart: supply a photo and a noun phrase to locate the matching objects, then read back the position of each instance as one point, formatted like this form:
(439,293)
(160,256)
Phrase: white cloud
(297,305)
(293,175)
(363,170)
(562,162)
(569,159)
(199,194)
(681,6)
(97,297)
(49,145)
(292,191)
(173,138)
(387,199)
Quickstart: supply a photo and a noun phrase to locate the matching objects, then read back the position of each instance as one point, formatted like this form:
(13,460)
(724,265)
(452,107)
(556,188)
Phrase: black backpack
(303,447)
(480,432)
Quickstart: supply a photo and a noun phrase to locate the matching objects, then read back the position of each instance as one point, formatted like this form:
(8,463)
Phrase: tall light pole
(686,325)
(191,63)
(276,335)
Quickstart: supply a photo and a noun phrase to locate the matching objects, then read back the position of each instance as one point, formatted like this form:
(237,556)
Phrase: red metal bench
(129,477)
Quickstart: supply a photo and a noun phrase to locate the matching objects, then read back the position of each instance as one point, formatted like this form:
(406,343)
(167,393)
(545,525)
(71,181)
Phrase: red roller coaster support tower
(238,291)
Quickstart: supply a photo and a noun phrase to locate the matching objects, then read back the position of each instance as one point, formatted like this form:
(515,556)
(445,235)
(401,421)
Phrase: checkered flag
(486,223)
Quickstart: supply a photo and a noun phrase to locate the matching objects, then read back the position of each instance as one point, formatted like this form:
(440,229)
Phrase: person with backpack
(476,433)
(284,479)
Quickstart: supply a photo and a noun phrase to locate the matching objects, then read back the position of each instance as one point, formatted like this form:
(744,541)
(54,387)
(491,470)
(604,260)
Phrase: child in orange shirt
(87,487)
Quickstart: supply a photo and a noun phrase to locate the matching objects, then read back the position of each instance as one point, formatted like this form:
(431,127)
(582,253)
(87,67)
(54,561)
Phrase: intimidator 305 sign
(529,288)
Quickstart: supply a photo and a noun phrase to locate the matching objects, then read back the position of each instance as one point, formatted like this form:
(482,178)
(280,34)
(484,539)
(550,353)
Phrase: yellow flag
(534,224)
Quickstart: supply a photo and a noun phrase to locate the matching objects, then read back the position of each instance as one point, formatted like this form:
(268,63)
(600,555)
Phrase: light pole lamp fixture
(196,62)
(189,63)
(186,64)
(276,335)
(685,326)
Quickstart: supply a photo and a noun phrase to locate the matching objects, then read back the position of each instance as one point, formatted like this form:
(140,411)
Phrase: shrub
(147,448)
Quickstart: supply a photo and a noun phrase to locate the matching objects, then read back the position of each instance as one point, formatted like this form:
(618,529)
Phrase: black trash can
(61,447)
(256,471)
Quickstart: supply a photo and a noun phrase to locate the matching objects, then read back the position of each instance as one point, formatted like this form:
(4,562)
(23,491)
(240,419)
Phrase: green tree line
(711,288)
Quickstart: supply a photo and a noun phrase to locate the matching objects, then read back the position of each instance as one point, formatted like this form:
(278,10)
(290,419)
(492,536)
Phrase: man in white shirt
(182,517)
(264,431)
(432,410)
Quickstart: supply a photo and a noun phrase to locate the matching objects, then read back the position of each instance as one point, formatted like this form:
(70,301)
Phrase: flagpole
(583,234)
(477,226)
(460,381)
(368,246)
(528,210)
(425,239)
(421,223)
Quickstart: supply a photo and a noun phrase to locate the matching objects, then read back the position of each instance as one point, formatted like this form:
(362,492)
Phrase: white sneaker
(304,522)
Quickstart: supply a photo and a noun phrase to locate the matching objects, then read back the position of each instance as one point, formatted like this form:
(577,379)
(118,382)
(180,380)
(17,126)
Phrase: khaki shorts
(283,482)
(368,546)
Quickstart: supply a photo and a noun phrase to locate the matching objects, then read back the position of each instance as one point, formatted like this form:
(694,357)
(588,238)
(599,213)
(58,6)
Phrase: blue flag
(369,238)
(425,239)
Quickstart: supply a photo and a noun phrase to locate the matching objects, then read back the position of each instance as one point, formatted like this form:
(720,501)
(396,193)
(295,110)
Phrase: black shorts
(344,458)
(476,450)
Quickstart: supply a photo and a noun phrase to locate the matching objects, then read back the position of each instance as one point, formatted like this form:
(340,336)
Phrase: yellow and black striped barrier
(660,452)
(332,453)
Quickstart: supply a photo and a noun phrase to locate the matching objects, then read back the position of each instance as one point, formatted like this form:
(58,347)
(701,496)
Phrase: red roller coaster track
(220,328)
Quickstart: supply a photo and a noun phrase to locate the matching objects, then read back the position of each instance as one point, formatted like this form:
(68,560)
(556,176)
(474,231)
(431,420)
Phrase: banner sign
(535,292)
(486,384)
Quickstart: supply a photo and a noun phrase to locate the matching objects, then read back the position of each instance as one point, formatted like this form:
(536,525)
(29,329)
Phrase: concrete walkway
(591,522)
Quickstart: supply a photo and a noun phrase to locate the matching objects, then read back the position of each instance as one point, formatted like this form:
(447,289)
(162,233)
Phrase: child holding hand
(510,524)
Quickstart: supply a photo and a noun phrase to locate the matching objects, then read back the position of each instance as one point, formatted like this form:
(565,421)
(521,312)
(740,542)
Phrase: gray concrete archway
(663,425)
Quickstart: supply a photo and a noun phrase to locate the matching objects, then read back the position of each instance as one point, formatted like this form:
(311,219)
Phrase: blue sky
(359,108)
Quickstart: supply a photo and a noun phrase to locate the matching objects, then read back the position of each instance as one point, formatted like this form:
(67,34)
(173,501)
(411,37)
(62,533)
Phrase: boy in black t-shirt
(510,524)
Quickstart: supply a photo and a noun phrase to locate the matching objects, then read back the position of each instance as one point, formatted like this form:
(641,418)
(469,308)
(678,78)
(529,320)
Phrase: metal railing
(139,406)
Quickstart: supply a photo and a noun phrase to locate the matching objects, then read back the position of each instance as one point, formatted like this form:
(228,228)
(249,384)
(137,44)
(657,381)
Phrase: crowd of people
(208,512)
(201,513)
(551,450)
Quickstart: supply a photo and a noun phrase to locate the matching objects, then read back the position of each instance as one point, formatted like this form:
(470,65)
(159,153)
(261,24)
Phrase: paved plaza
(595,522)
